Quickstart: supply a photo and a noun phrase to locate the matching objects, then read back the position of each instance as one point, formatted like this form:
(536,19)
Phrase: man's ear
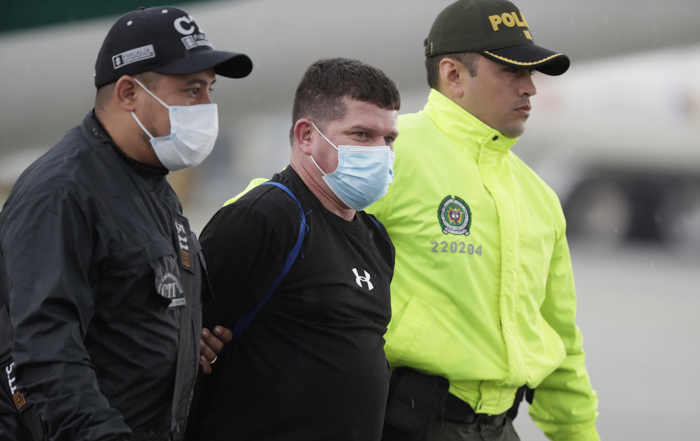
(125,93)
(451,72)
(303,134)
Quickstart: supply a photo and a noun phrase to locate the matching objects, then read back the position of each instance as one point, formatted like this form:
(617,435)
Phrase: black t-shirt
(311,365)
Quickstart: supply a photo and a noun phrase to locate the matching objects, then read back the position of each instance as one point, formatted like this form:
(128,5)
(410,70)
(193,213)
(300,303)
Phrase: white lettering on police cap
(182,29)
(133,55)
(196,40)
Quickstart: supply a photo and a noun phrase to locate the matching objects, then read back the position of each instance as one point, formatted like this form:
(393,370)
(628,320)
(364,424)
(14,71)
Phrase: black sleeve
(47,250)
(10,426)
(245,245)
(385,245)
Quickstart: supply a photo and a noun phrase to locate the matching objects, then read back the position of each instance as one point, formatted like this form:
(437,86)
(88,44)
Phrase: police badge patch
(455,216)
(168,284)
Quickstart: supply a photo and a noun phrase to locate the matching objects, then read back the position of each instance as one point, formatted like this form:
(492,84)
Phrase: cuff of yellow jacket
(571,432)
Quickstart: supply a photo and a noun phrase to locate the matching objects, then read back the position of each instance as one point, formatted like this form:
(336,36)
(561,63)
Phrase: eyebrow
(198,81)
(361,128)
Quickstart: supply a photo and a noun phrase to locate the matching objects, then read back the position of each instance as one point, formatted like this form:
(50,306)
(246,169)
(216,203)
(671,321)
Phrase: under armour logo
(359,279)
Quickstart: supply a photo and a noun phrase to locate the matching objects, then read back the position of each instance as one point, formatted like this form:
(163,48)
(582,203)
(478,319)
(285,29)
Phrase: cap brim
(227,64)
(530,56)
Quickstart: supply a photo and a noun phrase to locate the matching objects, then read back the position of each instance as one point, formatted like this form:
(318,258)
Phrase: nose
(206,97)
(527,86)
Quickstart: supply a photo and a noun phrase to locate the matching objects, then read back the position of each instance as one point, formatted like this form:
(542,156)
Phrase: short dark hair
(432,65)
(321,93)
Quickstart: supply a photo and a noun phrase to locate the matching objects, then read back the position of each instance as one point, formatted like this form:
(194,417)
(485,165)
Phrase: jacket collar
(464,128)
(94,129)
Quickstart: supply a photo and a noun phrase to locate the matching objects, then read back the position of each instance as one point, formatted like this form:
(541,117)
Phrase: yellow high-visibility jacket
(483,291)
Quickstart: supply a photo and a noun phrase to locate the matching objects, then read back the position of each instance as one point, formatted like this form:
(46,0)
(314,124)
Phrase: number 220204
(455,247)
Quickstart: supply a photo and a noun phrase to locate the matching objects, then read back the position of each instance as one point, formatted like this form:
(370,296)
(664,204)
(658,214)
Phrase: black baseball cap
(165,40)
(495,29)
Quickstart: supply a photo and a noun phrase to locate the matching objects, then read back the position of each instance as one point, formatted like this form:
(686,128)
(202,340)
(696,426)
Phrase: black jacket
(96,253)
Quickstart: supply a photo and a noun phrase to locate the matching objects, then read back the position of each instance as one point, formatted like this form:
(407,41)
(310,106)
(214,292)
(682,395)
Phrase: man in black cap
(100,267)
(483,297)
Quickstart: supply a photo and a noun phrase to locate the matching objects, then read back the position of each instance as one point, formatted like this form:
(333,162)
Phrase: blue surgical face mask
(363,174)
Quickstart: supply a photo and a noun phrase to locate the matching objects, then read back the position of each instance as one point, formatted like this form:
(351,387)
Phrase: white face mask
(193,131)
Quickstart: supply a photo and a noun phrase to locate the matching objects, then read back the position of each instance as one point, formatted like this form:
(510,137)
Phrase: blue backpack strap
(245,320)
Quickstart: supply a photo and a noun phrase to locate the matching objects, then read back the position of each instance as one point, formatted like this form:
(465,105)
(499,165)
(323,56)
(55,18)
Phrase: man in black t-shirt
(311,364)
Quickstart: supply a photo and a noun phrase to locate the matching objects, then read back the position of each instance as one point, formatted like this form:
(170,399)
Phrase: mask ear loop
(157,99)
(153,94)
(314,161)
(141,125)
(324,137)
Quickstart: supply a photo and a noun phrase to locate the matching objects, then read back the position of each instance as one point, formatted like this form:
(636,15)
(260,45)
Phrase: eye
(388,139)
(361,134)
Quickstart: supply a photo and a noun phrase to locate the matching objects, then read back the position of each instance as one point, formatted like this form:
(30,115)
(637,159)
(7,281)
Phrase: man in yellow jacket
(483,293)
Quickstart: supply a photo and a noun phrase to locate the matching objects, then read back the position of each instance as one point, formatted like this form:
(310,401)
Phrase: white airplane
(614,137)
(619,140)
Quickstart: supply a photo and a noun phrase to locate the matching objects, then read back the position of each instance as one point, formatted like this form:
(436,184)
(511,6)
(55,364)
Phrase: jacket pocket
(153,262)
(167,280)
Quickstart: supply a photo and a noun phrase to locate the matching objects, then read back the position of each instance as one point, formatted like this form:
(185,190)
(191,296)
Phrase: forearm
(565,405)
(47,256)
(56,374)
